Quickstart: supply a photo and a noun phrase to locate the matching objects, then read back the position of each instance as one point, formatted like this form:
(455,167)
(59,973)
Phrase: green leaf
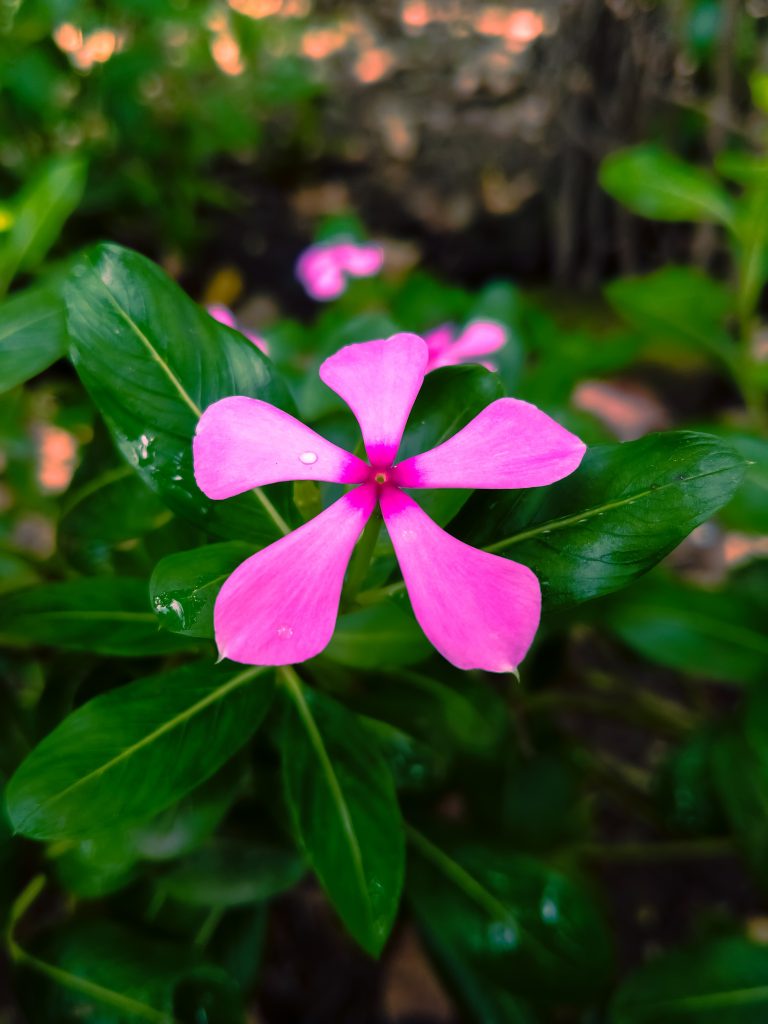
(449,398)
(655,183)
(233,873)
(102,972)
(127,754)
(716,634)
(678,304)
(344,810)
(622,511)
(380,635)
(39,213)
(33,335)
(749,509)
(525,926)
(723,980)
(684,788)
(102,615)
(152,360)
(184,586)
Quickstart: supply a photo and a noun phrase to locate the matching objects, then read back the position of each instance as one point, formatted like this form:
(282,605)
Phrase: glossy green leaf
(384,634)
(33,335)
(448,400)
(102,615)
(678,304)
(233,873)
(655,183)
(519,922)
(184,586)
(344,811)
(152,360)
(622,511)
(717,634)
(39,213)
(129,753)
(723,981)
(103,972)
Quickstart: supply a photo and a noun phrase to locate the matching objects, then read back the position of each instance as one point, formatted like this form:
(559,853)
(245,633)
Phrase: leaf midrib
(294,686)
(578,517)
(147,740)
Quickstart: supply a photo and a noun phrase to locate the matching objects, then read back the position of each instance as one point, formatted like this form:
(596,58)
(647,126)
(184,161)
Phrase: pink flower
(480,338)
(323,268)
(225,316)
(280,606)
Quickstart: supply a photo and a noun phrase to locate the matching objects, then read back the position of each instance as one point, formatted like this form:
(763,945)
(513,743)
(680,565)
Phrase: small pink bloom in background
(225,316)
(323,268)
(480,338)
(280,606)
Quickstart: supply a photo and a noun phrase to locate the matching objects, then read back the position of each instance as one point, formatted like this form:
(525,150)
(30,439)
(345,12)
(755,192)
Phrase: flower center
(380,477)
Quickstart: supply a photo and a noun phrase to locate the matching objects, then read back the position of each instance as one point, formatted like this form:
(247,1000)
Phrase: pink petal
(509,444)
(225,316)
(480,339)
(320,273)
(280,605)
(360,259)
(479,610)
(379,381)
(242,443)
(439,341)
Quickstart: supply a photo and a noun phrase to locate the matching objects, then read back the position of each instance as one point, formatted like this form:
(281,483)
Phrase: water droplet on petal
(284,632)
(308,458)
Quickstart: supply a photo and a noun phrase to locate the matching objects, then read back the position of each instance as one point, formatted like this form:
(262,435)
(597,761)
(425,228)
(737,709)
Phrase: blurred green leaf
(102,972)
(344,810)
(233,872)
(678,304)
(684,787)
(33,334)
(39,213)
(723,980)
(127,754)
(655,183)
(748,510)
(623,509)
(381,635)
(717,634)
(525,926)
(184,586)
(152,360)
(102,615)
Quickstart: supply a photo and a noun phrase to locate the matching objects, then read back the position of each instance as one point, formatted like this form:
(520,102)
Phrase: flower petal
(478,339)
(509,444)
(479,610)
(280,606)
(379,381)
(360,259)
(225,316)
(242,443)
(320,273)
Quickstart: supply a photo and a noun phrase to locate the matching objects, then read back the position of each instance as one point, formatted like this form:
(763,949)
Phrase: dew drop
(308,458)
(284,632)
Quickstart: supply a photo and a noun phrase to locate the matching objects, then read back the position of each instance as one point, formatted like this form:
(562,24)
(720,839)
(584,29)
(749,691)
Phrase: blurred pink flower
(225,316)
(280,606)
(323,268)
(479,338)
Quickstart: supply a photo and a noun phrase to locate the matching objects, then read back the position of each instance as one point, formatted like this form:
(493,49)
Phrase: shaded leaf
(380,635)
(33,335)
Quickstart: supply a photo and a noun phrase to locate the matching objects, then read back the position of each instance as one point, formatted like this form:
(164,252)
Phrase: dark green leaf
(106,616)
(749,509)
(184,586)
(127,754)
(655,183)
(39,213)
(622,511)
(717,634)
(684,787)
(342,803)
(232,873)
(724,980)
(525,926)
(380,635)
(33,335)
(152,361)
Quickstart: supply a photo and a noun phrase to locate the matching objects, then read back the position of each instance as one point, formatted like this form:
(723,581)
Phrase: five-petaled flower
(447,347)
(225,316)
(323,268)
(280,606)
